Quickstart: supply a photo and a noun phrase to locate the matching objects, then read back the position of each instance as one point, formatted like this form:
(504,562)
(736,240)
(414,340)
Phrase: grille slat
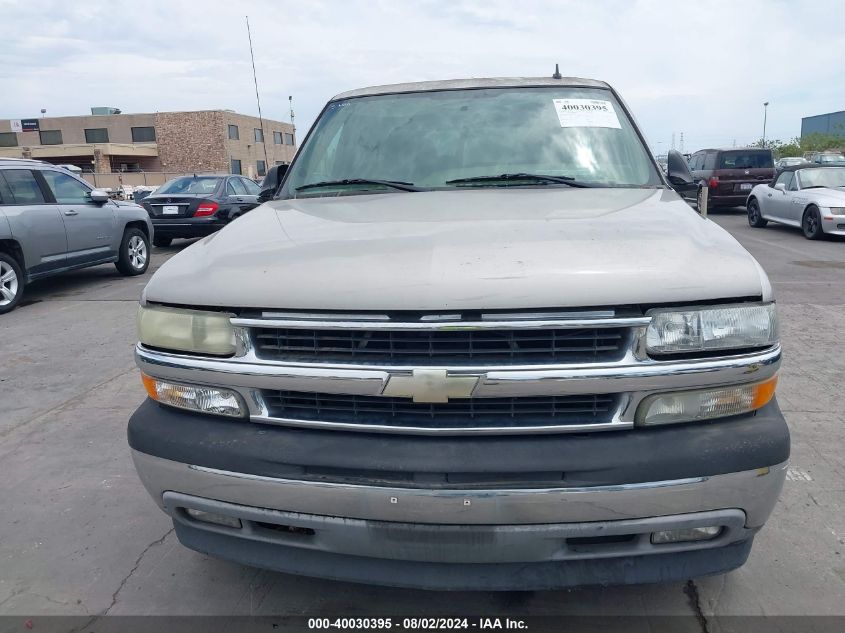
(422,347)
(462,413)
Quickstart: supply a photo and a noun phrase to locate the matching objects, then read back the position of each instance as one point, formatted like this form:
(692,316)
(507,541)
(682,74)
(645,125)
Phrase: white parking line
(796,474)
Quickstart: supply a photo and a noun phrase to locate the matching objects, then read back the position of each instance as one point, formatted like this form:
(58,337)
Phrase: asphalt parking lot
(80,536)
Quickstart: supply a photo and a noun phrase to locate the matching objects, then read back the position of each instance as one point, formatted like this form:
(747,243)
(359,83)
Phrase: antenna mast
(257,99)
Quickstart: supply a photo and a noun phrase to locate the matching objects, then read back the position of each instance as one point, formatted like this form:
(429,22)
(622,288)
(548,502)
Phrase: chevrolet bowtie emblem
(430,385)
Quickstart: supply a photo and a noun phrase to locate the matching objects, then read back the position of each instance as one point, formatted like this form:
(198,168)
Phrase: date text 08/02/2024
(416,624)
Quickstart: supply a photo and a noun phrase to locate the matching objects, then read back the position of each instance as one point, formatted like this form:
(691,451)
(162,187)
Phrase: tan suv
(467,345)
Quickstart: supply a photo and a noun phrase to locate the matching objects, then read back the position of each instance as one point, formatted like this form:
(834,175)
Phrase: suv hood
(463,250)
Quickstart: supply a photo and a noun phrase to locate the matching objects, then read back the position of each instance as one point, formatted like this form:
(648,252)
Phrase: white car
(790,161)
(808,196)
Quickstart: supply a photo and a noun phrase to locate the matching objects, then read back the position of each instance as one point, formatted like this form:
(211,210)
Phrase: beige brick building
(161,142)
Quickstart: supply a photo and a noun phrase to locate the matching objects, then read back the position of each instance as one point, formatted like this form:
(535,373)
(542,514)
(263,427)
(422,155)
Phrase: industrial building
(154,145)
(831,123)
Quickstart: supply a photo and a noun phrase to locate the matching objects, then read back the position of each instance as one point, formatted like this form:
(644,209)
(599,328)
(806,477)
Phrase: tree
(798,146)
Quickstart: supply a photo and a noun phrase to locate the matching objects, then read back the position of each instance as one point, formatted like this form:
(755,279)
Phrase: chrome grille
(433,347)
(468,413)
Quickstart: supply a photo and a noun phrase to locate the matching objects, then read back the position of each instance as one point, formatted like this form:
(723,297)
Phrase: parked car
(827,158)
(790,161)
(490,348)
(196,206)
(52,221)
(808,196)
(729,174)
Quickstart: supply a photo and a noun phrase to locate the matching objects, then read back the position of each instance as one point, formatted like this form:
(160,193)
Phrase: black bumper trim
(622,570)
(583,459)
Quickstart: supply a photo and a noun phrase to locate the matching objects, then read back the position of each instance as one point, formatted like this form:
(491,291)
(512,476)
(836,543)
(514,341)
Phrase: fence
(135,179)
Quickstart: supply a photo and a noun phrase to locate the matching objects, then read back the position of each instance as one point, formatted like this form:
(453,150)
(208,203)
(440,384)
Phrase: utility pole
(765,111)
(673,140)
(257,99)
(682,142)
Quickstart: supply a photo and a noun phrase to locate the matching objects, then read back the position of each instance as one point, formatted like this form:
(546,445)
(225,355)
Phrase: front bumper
(458,557)
(361,509)
(833,226)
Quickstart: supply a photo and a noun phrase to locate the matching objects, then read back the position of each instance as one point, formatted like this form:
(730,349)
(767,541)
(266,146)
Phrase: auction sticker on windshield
(586,113)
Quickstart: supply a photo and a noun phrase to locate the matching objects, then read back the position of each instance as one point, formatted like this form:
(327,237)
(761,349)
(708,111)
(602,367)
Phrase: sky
(701,68)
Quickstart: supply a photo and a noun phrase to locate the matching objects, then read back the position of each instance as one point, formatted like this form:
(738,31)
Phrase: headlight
(704,404)
(711,328)
(837,210)
(186,330)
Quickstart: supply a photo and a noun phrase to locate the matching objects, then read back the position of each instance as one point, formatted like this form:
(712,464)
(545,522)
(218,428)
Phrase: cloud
(694,67)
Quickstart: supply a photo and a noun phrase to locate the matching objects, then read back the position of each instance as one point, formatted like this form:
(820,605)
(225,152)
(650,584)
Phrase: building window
(143,134)
(277,138)
(259,135)
(288,139)
(51,137)
(8,139)
(97,135)
(261,167)
(234,135)
(236,164)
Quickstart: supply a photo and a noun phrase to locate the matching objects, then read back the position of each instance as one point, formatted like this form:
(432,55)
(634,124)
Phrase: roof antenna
(557,74)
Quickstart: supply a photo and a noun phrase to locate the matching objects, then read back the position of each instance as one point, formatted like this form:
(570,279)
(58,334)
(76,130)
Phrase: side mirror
(780,186)
(271,182)
(678,172)
(99,196)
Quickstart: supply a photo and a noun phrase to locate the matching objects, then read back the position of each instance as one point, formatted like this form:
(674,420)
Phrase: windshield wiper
(564,180)
(393,184)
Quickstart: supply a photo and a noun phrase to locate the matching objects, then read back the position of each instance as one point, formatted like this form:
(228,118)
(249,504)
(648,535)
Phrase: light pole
(765,110)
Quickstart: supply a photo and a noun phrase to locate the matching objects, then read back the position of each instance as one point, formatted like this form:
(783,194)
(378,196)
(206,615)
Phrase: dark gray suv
(52,221)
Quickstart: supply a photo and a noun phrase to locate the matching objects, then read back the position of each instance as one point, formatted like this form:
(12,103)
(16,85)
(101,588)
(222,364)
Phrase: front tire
(134,258)
(811,224)
(11,283)
(754,218)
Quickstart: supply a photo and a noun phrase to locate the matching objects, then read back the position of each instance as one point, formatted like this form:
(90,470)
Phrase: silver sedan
(807,196)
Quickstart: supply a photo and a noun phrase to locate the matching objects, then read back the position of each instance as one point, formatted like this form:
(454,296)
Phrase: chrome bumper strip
(753,491)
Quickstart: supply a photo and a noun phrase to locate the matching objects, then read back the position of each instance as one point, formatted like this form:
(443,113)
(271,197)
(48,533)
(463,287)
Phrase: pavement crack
(694,600)
(135,567)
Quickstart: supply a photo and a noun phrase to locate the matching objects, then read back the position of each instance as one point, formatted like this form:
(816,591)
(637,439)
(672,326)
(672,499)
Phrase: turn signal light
(206,208)
(194,397)
(705,404)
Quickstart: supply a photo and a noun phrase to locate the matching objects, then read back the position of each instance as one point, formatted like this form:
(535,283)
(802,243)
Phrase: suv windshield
(825,177)
(746,159)
(459,138)
(191,184)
